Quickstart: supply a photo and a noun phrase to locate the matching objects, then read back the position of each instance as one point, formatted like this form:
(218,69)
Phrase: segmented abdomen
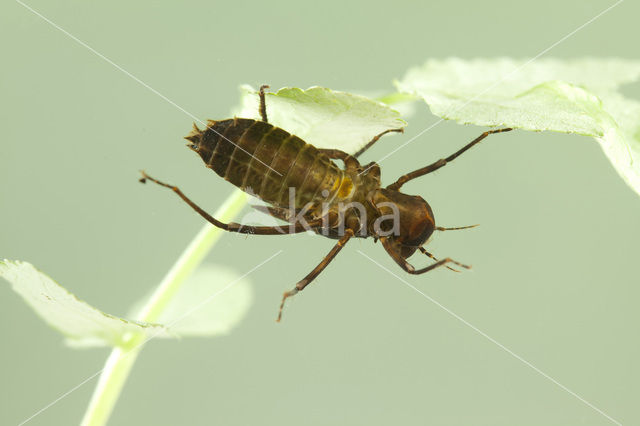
(266,161)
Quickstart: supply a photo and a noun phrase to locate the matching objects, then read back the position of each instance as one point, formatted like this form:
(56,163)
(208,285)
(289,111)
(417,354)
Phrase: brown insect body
(269,162)
(265,161)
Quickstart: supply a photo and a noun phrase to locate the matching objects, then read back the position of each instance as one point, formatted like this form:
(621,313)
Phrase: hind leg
(237,227)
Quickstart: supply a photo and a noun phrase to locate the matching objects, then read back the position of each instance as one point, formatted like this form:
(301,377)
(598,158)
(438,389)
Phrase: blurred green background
(554,259)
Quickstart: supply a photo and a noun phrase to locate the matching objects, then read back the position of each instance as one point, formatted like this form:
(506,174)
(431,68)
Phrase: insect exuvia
(304,187)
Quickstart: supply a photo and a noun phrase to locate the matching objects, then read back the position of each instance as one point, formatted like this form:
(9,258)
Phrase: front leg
(402,262)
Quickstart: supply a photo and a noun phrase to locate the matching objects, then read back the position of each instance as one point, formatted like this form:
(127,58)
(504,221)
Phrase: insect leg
(289,216)
(350,162)
(402,262)
(316,271)
(277,212)
(263,105)
(237,227)
(443,161)
(424,251)
(374,140)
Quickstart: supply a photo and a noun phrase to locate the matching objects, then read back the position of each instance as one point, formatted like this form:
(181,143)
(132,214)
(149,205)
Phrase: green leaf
(622,144)
(508,77)
(212,301)
(80,322)
(323,117)
(575,96)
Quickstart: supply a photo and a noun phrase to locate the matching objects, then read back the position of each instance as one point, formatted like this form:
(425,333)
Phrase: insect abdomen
(266,161)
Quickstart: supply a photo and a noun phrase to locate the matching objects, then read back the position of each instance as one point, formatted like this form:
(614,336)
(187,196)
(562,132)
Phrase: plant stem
(121,359)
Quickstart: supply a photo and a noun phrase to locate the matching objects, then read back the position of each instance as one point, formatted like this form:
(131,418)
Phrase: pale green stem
(121,359)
